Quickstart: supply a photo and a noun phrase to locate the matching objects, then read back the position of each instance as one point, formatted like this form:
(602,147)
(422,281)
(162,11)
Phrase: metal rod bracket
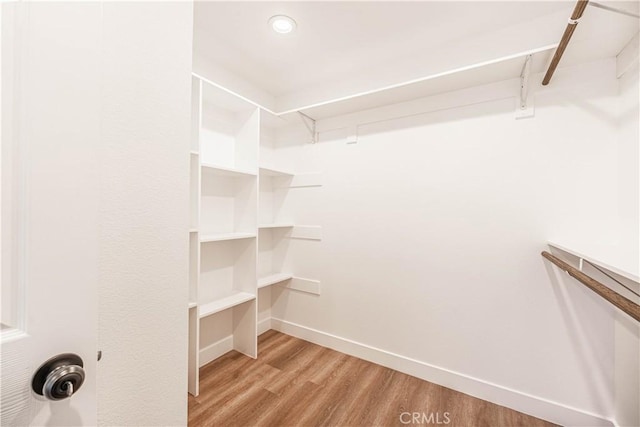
(310,124)
(525,107)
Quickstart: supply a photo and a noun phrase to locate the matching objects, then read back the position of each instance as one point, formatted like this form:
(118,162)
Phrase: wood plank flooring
(297,383)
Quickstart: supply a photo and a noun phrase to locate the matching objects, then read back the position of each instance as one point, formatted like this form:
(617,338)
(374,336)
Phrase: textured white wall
(144,209)
(433,226)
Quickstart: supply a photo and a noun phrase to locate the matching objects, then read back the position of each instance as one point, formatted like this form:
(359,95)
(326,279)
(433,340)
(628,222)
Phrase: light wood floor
(297,383)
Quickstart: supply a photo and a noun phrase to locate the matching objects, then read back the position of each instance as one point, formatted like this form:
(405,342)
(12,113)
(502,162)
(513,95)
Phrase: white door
(50,131)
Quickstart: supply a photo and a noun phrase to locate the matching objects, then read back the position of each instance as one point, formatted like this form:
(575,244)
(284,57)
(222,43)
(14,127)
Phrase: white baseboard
(532,405)
(264,325)
(215,350)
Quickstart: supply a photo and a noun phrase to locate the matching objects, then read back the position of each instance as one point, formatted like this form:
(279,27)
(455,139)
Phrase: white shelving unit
(239,228)
(273,279)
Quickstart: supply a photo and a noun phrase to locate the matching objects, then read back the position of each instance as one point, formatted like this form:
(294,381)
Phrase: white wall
(627,331)
(144,209)
(433,225)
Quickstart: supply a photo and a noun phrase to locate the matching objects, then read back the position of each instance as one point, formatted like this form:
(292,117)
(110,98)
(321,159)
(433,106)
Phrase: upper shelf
(611,258)
(489,71)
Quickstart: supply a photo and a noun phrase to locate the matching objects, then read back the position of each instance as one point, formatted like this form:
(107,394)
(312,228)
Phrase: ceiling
(340,48)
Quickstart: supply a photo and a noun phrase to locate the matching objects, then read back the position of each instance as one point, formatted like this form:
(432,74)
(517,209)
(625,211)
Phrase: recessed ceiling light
(282,24)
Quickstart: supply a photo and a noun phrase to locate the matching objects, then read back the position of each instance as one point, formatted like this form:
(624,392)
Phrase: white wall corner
(627,59)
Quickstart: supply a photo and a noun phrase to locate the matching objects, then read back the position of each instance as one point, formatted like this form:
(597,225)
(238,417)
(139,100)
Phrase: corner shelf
(219,237)
(273,279)
(225,303)
(226,171)
(275,172)
(276,225)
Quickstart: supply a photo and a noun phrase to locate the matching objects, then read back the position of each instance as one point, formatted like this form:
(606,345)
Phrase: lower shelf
(273,279)
(221,304)
(217,237)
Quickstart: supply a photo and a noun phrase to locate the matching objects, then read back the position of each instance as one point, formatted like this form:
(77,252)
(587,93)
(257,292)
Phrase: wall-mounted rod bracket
(524,107)
(310,124)
(524,82)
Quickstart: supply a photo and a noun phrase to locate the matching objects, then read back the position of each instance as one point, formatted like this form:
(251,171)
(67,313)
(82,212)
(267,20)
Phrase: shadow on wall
(582,311)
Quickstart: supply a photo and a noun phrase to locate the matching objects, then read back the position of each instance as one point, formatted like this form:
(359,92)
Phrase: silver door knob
(59,377)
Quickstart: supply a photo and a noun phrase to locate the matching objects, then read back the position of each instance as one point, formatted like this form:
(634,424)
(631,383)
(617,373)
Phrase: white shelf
(224,303)
(193,230)
(192,305)
(226,171)
(218,237)
(611,258)
(273,279)
(274,172)
(277,225)
(194,153)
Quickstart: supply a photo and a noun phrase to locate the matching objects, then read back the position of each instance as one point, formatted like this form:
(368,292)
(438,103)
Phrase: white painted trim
(520,401)
(264,325)
(215,350)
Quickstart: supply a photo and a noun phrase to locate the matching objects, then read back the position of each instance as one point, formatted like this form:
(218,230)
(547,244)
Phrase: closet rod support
(613,9)
(581,5)
(310,124)
(524,82)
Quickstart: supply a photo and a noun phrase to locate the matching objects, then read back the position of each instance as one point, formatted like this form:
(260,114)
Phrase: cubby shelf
(221,304)
(274,172)
(219,237)
(273,279)
(226,171)
(277,225)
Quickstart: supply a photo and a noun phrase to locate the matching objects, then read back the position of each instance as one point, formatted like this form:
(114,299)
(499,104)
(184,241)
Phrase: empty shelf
(217,237)
(274,172)
(277,225)
(226,171)
(224,303)
(273,279)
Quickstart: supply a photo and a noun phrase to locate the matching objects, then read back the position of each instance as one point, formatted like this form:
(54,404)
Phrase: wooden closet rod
(624,304)
(568,32)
